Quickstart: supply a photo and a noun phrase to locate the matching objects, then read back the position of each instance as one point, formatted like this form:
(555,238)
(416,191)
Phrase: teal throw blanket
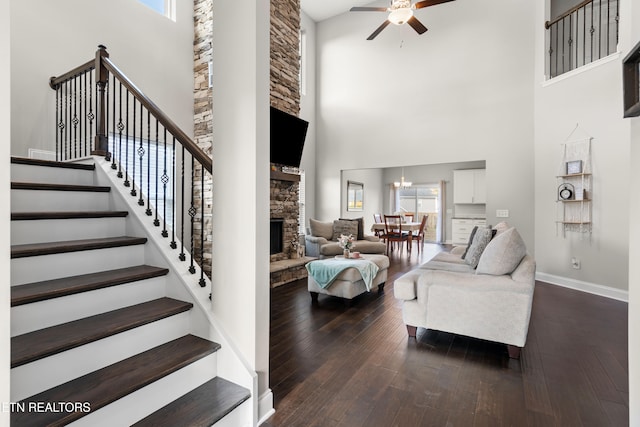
(325,271)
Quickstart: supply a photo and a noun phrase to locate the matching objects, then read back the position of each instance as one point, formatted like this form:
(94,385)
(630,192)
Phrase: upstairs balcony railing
(100,111)
(581,35)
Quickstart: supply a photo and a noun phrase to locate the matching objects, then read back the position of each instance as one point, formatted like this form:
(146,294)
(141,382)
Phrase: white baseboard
(579,285)
(265,406)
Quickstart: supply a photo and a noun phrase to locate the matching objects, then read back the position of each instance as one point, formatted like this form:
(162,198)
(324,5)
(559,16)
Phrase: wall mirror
(355,196)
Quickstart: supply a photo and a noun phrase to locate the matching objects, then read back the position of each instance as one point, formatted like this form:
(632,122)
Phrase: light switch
(502,213)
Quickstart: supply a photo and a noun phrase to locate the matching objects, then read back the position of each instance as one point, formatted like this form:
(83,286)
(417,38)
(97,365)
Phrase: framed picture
(355,196)
(631,82)
(574,167)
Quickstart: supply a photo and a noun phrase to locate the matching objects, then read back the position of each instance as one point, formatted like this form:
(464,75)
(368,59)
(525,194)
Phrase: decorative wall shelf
(574,195)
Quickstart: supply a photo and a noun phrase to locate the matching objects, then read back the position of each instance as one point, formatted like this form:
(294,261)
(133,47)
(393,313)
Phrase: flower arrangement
(346,242)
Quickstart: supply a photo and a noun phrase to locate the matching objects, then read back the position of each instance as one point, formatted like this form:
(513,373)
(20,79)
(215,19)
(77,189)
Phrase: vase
(346,253)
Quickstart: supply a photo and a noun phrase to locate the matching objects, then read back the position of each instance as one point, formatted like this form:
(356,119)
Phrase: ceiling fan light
(400,16)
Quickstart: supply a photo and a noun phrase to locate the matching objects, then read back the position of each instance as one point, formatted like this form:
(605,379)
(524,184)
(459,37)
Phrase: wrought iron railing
(581,35)
(99,111)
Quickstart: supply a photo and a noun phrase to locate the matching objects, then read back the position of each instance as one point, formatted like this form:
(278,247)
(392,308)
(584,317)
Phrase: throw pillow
(321,229)
(501,227)
(480,241)
(471,236)
(360,222)
(347,227)
(503,254)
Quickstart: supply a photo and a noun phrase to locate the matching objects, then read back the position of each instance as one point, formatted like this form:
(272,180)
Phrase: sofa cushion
(346,227)
(360,222)
(503,254)
(501,227)
(480,241)
(471,236)
(321,229)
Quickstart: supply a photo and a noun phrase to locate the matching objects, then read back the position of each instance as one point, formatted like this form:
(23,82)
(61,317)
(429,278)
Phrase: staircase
(99,337)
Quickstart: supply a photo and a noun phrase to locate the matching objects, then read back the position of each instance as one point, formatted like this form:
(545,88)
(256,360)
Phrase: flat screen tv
(288,133)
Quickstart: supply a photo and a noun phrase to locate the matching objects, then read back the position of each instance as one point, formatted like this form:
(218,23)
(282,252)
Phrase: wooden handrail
(173,129)
(548,24)
(56,80)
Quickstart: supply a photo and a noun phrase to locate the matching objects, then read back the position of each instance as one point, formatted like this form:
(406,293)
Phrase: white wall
(241,143)
(308,112)
(155,52)
(631,26)
(460,92)
(591,98)
(5,135)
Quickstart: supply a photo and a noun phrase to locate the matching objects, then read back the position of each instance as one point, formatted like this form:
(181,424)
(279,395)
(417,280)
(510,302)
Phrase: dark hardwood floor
(333,365)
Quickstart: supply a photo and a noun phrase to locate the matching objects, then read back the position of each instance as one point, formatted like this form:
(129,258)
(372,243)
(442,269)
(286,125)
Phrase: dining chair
(408,217)
(394,233)
(419,238)
(377,219)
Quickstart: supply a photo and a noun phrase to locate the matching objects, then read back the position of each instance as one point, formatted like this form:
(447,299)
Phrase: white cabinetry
(461,229)
(469,186)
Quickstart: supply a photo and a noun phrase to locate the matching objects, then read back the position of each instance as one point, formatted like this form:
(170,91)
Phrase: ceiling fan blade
(368,9)
(427,3)
(417,25)
(379,30)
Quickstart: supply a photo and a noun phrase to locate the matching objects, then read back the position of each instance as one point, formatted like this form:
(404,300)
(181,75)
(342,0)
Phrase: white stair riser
(39,315)
(51,175)
(35,377)
(55,230)
(46,201)
(139,404)
(238,417)
(45,267)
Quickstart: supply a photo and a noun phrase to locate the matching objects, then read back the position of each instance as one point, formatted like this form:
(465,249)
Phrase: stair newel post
(101,146)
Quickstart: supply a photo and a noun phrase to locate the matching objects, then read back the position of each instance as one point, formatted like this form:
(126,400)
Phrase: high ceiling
(319,10)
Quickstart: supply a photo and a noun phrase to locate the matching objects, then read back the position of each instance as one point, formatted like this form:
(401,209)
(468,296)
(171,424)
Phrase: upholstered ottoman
(349,283)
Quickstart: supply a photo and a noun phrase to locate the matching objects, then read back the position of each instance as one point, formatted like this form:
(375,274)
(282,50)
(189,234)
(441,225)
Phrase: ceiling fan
(400,12)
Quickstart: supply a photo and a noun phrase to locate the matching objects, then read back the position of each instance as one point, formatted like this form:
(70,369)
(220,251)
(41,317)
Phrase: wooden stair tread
(52,163)
(59,187)
(48,248)
(38,344)
(48,289)
(203,406)
(113,382)
(24,216)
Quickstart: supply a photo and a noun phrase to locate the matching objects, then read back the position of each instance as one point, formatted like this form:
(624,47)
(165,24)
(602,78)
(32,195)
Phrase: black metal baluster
(165,180)
(182,256)
(570,40)
(141,155)
(192,214)
(599,30)
(173,244)
(564,31)
(90,115)
(75,118)
(84,115)
(57,119)
(156,221)
(148,211)
(67,115)
(617,21)
(592,30)
(584,35)
(120,129)
(126,147)
(133,154)
(202,281)
(114,166)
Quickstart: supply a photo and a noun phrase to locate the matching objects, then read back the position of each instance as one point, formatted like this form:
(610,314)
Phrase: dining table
(410,227)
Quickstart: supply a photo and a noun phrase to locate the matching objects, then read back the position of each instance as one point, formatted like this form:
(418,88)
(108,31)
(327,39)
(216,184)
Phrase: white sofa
(490,302)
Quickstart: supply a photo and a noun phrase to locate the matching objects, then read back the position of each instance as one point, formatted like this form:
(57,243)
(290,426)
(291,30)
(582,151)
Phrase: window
(302,74)
(163,7)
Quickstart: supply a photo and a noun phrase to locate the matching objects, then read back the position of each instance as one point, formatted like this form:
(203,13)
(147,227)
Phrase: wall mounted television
(287,136)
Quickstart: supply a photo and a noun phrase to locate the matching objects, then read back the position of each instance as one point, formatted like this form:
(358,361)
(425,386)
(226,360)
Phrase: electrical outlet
(575,263)
(502,213)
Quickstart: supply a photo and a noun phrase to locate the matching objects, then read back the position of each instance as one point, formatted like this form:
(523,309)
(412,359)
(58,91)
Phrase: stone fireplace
(284,213)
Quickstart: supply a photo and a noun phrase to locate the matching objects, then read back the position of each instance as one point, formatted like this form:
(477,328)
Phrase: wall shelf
(574,207)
